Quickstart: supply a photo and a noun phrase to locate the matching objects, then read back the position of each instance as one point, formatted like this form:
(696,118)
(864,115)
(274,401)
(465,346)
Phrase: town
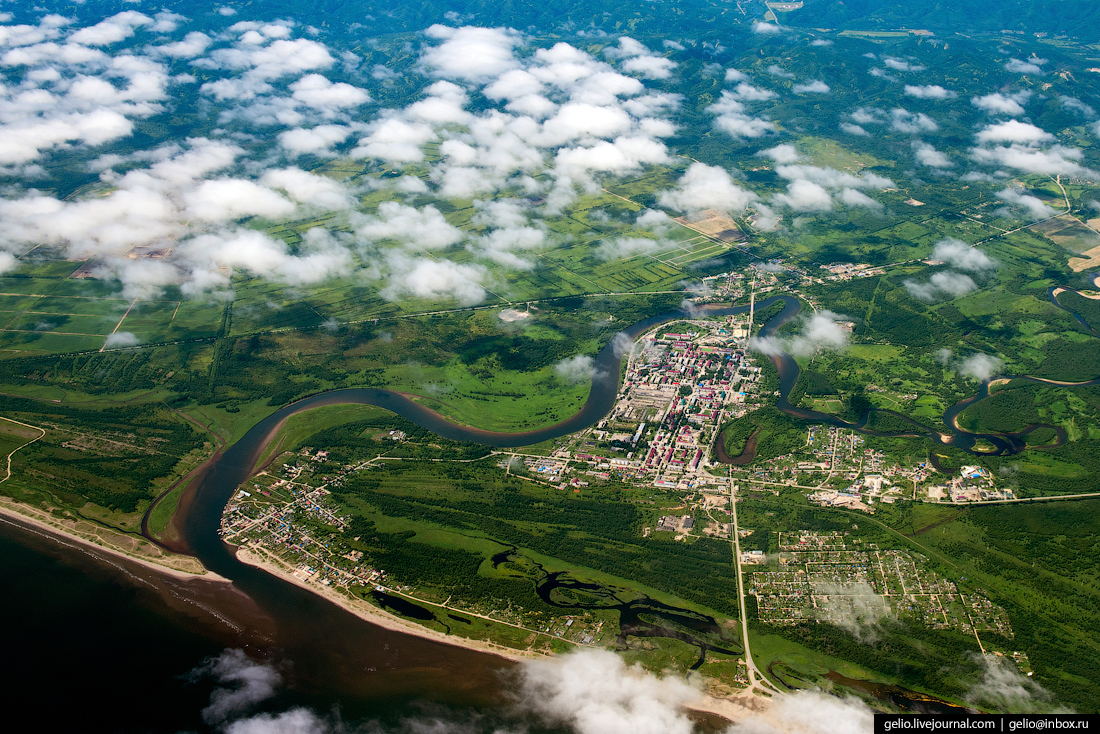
(829,577)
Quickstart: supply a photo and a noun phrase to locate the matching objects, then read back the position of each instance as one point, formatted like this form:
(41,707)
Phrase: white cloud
(944,284)
(851,197)
(902,64)
(650,67)
(623,155)
(293,721)
(575,369)
(853,129)
(861,609)
(627,48)
(808,712)
(832,178)
(869,115)
(422,277)
(471,53)
(513,84)
(260,63)
(706,187)
(192,45)
(1075,105)
(1005,690)
(980,367)
(819,332)
(121,339)
(1033,205)
(928,156)
(1053,161)
(314,90)
(735,75)
(1031,66)
(166,21)
(501,245)
(1004,104)
(929,91)
(594,692)
(764,28)
(590,692)
(422,228)
(317,140)
(577,120)
(1025,151)
(621,248)
(558,104)
(1013,131)
(228,199)
(814,87)
(395,141)
(112,30)
(309,188)
(446,104)
(911,122)
(962,256)
(242,683)
(732,118)
(746,92)
(805,196)
(655,221)
(25,141)
(638,59)
(781,153)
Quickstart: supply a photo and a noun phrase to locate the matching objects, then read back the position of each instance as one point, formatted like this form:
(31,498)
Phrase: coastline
(732,708)
(374,615)
(90,536)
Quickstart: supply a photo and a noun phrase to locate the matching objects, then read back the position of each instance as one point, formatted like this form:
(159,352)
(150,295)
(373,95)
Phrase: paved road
(756,678)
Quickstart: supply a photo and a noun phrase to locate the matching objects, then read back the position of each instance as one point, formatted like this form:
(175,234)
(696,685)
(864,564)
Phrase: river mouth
(330,647)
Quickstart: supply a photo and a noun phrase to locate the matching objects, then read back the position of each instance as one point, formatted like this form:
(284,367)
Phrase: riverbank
(89,535)
(731,708)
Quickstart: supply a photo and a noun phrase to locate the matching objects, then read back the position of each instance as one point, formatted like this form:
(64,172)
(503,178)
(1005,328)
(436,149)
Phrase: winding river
(329,643)
(999,443)
(330,646)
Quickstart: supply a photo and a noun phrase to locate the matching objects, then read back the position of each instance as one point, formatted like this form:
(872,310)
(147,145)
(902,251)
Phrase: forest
(602,532)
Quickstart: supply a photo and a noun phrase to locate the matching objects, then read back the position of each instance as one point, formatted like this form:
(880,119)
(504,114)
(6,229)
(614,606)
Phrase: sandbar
(104,540)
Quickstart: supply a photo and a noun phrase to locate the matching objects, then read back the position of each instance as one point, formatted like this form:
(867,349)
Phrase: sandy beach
(375,615)
(731,708)
(91,537)
(104,540)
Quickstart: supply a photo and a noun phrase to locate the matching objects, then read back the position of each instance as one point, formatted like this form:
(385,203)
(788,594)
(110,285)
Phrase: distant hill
(1072,18)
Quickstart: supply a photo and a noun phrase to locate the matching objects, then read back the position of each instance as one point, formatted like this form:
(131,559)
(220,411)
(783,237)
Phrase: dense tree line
(1041,562)
(776,433)
(1009,409)
(599,534)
